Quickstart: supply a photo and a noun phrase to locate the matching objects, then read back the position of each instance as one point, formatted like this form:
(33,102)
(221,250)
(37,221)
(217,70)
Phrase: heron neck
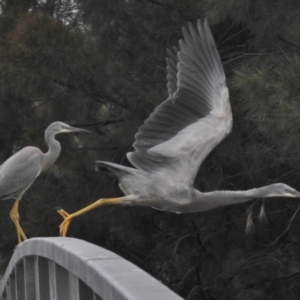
(211,200)
(53,152)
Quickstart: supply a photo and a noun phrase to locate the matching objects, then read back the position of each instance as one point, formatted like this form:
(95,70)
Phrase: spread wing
(184,129)
(19,172)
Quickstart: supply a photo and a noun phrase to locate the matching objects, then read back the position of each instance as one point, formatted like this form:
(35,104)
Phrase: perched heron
(19,171)
(172,143)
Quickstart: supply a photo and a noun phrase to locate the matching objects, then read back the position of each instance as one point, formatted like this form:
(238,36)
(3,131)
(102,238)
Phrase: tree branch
(288,42)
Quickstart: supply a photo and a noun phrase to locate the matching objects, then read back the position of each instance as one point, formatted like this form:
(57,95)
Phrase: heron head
(282,190)
(60,127)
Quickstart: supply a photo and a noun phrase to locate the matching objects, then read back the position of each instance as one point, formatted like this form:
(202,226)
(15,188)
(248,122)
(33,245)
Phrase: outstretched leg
(63,228)
(14,215)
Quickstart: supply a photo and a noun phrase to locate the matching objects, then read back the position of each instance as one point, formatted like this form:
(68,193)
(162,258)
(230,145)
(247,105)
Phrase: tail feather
(115,168)
(126,175)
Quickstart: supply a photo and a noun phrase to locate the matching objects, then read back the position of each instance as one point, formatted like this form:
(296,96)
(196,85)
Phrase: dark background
(100,65)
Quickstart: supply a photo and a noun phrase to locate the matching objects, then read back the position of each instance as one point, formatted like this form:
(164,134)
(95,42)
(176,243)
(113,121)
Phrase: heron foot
(64,226)
(20,233)
(63,213)
(14,215)
(21,236)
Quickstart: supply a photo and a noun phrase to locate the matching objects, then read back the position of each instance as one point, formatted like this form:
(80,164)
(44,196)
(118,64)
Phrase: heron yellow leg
(14,215)
(64,226)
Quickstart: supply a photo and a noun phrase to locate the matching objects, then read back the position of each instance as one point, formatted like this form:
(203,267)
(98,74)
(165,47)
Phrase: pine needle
(249,225)
(262,214)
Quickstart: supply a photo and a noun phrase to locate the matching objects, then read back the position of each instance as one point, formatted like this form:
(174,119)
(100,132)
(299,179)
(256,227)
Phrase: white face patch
(64,130)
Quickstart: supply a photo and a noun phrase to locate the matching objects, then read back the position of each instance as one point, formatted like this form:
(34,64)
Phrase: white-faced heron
(173,142)
(19,171)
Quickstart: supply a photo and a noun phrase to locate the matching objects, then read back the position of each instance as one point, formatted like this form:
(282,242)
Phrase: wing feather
(19,172)
(172,62)
(182,130)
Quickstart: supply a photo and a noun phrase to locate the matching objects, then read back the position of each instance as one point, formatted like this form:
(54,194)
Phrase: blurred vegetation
(100,65)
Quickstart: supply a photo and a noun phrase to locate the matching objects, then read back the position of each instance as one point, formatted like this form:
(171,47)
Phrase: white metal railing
(72,269)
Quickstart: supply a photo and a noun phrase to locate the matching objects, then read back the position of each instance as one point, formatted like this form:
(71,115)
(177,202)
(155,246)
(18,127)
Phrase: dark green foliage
(101,65)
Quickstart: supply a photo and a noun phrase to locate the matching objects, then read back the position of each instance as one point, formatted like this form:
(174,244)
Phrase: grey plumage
(19,171)
(173,142)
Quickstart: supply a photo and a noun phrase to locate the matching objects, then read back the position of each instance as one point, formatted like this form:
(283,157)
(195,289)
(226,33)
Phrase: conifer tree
(101,64)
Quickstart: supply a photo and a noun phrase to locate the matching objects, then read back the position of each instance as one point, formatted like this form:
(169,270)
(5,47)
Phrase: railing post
(29,277)
(42,279)
(74,286)
(20,282)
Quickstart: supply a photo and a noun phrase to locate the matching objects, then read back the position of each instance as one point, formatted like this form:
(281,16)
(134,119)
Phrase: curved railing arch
(72,269)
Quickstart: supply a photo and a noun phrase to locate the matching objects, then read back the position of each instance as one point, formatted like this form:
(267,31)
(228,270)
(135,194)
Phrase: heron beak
(75,129)
(297,194)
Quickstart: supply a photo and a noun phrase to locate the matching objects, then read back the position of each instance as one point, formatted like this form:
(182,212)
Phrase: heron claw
(64,226)
(21,235)
(63,213)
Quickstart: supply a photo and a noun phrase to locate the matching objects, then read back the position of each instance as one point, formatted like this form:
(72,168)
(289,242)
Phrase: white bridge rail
(72,269)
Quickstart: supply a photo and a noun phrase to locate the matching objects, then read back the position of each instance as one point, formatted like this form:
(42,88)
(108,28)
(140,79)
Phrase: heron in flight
(19,171)
(173,142)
